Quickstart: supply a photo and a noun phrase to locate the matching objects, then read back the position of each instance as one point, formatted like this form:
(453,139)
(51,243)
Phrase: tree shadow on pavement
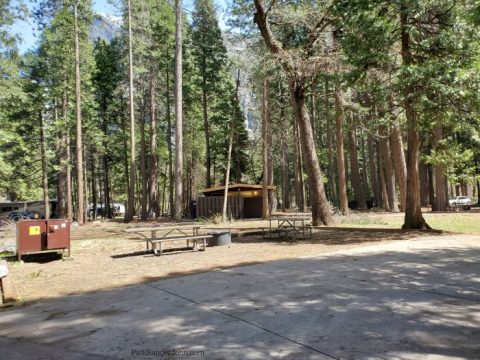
(358,305)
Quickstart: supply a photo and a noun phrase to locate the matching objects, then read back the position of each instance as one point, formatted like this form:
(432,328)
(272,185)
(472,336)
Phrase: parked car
(119,209)
(22,215)
(460,201)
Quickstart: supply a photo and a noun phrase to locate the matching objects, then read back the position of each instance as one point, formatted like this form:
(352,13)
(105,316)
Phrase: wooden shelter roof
(236,187)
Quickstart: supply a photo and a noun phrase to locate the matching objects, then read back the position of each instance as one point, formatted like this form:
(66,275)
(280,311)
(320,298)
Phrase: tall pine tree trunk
(62,160)
(424,184)
(441,188)
(43,156)
(69,178)
(169,144)
(178,112)
(230,145)
(356,177)
(413,212)
(78,117)
(342,181)
(321,213)
(372,156)
(285,177)
(396,142)
(143,162)
(153,195)
(133,167)
(265,125)
(106,168)
(332,184)
(299,181)
(270,163)
(383,183)
(125,151)
(93,187)
(206,127)
(389,170)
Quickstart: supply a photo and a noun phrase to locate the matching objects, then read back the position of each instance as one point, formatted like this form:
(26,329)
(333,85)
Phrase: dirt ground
(104,256)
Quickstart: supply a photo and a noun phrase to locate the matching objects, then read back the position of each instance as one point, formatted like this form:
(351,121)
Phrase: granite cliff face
(237,47)
(105,27)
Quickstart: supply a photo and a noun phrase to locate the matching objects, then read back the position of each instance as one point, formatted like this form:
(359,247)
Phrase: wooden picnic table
(187,232)
(295,224)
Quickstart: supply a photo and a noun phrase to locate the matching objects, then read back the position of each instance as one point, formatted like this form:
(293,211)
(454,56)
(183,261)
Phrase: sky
(27,29)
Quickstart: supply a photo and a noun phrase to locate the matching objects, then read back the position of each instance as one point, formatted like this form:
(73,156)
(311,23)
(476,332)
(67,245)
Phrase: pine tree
(210,57)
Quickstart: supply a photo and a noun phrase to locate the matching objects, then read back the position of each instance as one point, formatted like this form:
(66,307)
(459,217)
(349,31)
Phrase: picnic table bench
(287,225)
(189,233)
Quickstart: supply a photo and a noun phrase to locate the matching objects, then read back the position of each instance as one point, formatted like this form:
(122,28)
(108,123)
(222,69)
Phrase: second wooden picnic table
(288,224)
(188,233)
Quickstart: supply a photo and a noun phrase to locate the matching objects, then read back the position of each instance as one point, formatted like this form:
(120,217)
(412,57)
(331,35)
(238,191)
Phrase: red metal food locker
(35,236)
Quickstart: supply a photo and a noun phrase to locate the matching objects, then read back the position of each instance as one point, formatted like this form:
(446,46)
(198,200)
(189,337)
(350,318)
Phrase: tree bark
(85,173)
(178,214)
(342,181)
(332,185)
(396,142)
(364,171)
(78,117)
(431,186)
(230,144)
(270,163)
(62,160)
(265,125)
(383,183)
(413,212)
(285,177)
(299,181)
(355,171)
(372,156)
(43,156)
(93,187)
(106,178)
(424,184)
(440,202)
(206,127)
(313,111)
(143,162)
(69,178)
(321,213)
(153,195)
(389,170)
(169,144)
(125,150)
(133,167)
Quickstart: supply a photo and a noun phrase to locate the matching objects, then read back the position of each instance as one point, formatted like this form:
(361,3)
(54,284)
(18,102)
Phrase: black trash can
(220,238)
(193,209)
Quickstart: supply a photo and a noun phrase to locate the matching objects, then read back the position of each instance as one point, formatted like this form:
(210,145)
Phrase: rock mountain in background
(107,27)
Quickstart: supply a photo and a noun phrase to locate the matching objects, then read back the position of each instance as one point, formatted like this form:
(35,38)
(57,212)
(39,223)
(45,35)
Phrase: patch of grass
(467,223)
(361,220)
(6,254)
(461,223)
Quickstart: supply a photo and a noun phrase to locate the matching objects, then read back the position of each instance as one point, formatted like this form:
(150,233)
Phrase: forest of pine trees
(340,104)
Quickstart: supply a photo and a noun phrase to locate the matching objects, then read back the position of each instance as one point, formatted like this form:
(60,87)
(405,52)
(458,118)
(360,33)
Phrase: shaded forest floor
(105,257)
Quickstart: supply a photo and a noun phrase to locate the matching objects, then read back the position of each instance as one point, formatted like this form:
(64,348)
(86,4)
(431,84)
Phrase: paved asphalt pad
(402,300)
